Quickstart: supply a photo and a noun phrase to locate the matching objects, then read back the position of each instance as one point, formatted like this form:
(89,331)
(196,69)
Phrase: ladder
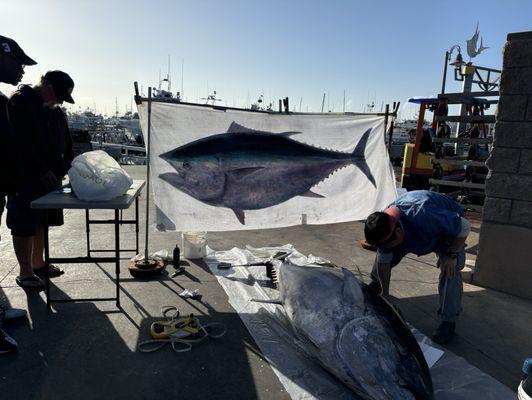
(464,155)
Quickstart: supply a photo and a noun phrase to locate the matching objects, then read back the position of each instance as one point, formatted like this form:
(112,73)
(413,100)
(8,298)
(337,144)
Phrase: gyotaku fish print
(246,169)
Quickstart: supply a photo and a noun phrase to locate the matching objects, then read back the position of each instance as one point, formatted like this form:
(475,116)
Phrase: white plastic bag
(95,175)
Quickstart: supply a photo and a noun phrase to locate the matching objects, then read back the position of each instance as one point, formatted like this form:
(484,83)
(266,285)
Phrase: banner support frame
(146,252)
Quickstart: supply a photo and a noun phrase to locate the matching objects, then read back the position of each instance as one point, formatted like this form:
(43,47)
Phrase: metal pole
(386,128)
(390,130)
(444,72)
(87,230)
(137,225)
(467,86)
(117,256)
(47,260)
(148,177)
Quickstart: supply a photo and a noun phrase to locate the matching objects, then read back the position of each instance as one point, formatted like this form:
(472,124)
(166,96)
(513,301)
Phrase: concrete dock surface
(88,350)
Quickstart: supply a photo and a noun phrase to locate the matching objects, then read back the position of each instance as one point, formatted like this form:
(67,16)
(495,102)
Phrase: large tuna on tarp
(354,333)
(245,169)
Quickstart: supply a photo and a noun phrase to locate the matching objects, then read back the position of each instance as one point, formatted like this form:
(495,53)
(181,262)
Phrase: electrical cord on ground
(181,332)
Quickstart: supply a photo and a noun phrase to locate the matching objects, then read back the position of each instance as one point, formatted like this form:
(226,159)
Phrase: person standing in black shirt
(12,62)
(46,146)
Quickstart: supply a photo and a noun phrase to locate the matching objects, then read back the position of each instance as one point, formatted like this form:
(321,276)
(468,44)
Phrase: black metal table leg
(47,261)
(137,225)
(87,229)
(117,255)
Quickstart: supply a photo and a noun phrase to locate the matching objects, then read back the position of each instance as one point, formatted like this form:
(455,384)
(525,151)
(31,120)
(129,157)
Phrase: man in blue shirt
(422,222)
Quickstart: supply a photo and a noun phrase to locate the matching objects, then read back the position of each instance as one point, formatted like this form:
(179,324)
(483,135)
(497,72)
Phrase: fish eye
(186,165)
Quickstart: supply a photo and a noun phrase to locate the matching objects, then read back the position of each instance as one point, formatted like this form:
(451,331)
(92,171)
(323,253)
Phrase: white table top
(59,199)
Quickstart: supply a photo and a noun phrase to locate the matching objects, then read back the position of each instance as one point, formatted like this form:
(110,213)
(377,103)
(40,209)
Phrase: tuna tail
(358,153)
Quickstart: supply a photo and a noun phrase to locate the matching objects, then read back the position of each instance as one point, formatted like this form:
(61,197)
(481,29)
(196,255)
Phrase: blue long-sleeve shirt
(430,220)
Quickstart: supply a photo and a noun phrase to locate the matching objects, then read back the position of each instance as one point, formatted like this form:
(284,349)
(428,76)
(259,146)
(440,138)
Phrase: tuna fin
(359,153)
(240,173)
(237,128)
(310,193)
(352,292)
(240,215)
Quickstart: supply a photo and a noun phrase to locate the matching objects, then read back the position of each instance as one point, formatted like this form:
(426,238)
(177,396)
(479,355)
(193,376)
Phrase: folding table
(62,199)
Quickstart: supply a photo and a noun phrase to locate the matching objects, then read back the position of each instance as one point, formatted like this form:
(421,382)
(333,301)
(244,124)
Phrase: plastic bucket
(194,244)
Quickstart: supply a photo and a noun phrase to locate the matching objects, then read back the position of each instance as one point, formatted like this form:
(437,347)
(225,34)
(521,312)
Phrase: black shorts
(24,220)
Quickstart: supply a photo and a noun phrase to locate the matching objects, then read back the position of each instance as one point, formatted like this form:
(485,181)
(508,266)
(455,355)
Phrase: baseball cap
(62,84)
(9,46)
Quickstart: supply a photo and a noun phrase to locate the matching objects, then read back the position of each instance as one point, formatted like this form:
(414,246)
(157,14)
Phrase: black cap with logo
(62,84)
(10,47)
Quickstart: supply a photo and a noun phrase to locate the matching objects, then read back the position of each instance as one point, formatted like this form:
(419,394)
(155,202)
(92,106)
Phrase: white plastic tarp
(303,378)
(278,183)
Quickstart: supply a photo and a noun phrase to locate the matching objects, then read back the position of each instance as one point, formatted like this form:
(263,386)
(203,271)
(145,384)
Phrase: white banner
(216,170)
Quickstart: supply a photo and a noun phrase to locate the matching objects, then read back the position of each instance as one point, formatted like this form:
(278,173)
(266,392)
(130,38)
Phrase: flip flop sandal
(52,272)
(30,283)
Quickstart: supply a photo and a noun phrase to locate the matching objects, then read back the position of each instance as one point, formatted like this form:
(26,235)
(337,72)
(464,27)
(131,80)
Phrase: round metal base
(143,269)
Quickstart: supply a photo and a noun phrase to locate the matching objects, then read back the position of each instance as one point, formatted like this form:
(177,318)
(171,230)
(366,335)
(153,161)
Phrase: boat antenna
(344,101)
(182,73)
(168,75)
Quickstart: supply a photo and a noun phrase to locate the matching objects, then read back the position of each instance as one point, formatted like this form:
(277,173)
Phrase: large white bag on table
(96,176)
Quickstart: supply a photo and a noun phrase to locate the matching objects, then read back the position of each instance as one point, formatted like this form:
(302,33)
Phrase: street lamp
(458,61)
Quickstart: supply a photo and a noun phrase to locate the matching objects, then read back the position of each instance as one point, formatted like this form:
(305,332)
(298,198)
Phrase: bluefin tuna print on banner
(217,169)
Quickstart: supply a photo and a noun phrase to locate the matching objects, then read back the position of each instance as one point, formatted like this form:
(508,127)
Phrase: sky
(376,51)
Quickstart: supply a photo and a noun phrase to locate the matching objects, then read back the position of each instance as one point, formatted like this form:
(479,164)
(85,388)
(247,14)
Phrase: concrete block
(509,186)
(516,81)
(521,214)
(527,35)
(528,115)
(512,108)
(517,53)
(504,159)
(497,210)
(513,134)
(525,163)
(504,259)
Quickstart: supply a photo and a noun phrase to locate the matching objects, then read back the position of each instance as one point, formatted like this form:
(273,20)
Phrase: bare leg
(23,249)
(37,255)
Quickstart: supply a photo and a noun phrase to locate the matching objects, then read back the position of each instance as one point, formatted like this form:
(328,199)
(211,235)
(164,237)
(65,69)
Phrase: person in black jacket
(45,144)
(12,62)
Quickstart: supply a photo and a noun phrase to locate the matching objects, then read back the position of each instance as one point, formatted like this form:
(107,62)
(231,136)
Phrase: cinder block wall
(504,259)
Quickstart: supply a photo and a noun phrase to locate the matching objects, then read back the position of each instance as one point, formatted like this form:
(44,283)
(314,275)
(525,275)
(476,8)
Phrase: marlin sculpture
(353,333)
(472,50)
(245,169)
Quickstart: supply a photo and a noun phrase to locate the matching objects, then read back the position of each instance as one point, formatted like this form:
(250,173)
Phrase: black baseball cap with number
(62,84)
(10,47)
